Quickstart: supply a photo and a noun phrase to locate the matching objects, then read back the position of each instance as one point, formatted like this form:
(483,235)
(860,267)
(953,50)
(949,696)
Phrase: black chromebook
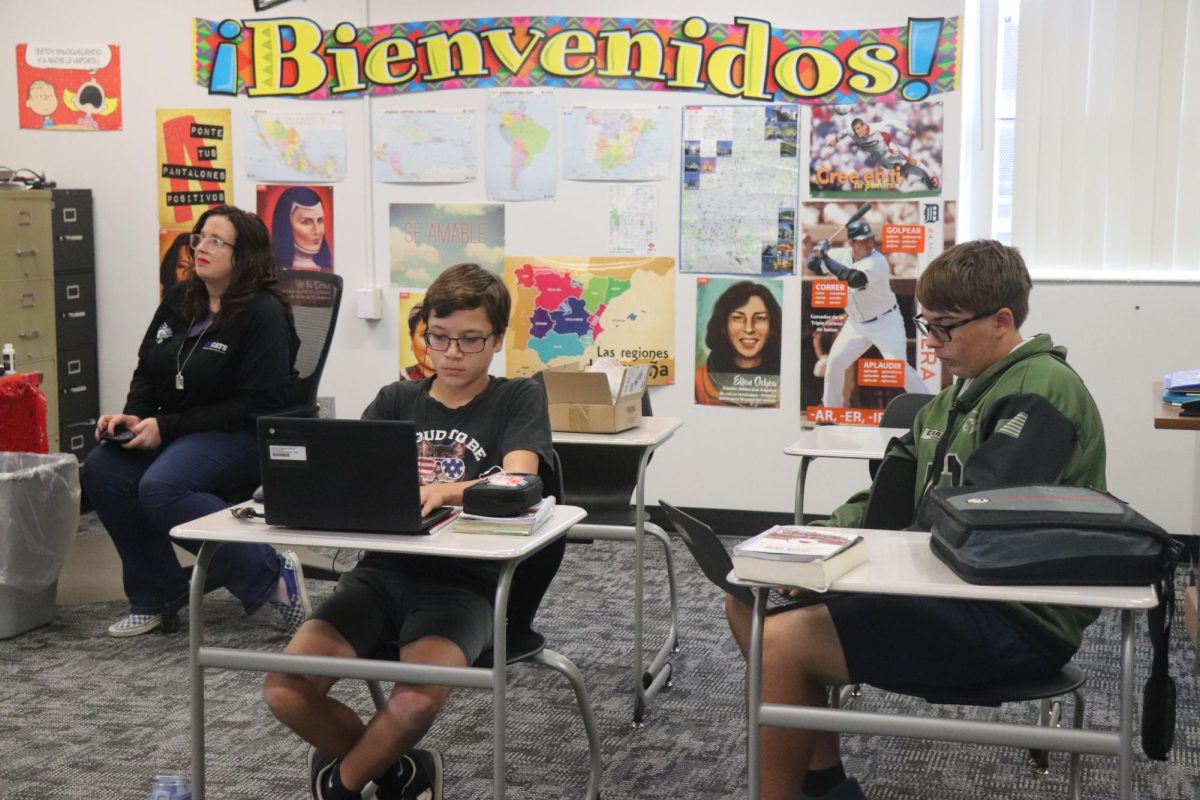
(342,475)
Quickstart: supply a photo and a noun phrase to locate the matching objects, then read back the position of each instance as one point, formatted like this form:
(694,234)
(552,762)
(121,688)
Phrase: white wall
(1121,337)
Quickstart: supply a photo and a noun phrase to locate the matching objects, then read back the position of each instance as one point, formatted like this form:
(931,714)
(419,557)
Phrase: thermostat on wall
(370,303)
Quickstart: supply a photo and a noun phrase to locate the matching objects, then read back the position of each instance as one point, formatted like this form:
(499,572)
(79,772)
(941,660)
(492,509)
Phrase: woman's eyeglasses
(214,242)
(466,344)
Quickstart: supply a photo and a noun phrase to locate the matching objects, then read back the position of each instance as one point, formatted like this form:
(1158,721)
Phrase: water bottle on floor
(171,787)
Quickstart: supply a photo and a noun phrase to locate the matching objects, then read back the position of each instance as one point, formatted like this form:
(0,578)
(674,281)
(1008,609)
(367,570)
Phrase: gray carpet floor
(86,716)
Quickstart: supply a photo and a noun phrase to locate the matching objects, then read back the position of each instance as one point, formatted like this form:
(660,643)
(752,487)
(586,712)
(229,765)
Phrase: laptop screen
(340,474)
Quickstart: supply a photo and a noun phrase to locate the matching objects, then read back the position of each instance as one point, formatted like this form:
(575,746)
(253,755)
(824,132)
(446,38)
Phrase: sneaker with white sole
(321,770)
(421,775)
(135,625)
(297,608)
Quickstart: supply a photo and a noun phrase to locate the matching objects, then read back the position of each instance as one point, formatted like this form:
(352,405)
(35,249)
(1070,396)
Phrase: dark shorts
(927,641)
(378,612)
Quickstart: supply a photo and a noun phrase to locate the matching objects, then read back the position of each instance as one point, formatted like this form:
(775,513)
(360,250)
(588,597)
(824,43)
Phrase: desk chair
(716,565)
(601,480)
(530,582)
(900,412)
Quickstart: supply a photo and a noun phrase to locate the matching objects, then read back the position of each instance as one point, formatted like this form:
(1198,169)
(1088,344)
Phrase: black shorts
(378,612)
(928,641)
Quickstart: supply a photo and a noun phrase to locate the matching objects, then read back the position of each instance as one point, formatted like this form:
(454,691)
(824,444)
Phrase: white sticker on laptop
(288,452)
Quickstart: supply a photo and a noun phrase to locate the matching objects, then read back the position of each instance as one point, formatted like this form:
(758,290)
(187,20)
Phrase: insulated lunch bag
(1064,535)
(1044,535)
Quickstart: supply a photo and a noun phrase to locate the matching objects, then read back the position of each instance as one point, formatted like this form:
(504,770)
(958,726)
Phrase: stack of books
(792,555)
(1181,387)
(521,525)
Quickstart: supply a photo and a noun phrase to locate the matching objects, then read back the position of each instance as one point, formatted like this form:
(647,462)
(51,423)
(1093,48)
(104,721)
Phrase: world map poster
(520,145)
(296,147)
(567,309)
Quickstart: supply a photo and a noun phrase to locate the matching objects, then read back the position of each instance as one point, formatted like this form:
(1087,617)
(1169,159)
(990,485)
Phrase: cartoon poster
(744,152)
(300,219)
(739,327)
(876,150)
(567,309)
(69,87)
(415,362)
(195,163)
(859,347)
(425,238)
(175,262)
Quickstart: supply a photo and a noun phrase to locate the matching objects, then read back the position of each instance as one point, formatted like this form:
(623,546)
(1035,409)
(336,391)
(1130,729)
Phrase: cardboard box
(606,398)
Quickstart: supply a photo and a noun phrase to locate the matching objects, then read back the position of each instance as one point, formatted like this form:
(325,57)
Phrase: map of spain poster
(567,309)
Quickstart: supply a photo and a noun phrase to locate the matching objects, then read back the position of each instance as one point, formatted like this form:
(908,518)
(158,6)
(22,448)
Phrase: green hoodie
(1028,418)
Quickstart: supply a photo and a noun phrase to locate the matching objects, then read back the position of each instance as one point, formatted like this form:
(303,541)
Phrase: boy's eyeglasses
(215,242)
(943,332)
(466,344)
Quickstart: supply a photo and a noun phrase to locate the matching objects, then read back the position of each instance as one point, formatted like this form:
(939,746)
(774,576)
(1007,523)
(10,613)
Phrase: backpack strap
(1158,697)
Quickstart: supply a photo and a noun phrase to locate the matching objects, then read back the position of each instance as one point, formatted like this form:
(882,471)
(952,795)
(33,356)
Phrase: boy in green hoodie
(1016,413)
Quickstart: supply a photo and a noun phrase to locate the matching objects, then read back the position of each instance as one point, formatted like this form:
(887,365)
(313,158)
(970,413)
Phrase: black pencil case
(508,494)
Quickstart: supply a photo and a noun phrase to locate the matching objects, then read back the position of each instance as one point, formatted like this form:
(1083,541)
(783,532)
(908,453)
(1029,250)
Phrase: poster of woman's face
(300,219)
(738,334)
(415,362)
(174,258)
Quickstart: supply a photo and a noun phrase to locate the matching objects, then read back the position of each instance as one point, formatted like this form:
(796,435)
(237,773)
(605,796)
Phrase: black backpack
(1070,536)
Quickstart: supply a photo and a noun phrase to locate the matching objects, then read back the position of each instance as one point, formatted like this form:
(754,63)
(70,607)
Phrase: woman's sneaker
(297,608)
(135,625)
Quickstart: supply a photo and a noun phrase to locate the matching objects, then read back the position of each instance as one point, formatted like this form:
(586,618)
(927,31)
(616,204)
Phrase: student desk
(901,563)
(1166,417)
(221,526)
(647,437)
(836,441)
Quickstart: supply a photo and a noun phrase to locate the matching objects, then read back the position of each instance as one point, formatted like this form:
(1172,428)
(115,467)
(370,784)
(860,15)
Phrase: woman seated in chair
(218,353)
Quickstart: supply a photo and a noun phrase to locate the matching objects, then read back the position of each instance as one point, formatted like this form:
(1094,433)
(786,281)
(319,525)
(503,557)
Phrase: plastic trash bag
(39,514)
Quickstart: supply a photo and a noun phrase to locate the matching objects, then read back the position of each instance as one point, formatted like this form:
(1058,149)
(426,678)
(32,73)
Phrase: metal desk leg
(1125,779)
(754,694)
(798,517)
(499,676)
(195,641)
(649,680)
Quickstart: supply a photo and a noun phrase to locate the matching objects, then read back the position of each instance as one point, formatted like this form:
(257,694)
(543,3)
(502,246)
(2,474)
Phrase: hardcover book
(792,555)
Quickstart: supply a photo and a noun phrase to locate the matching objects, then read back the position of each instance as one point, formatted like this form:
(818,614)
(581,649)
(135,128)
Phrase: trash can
(39,515)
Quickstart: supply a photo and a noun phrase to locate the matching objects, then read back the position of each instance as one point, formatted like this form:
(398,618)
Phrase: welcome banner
(749,58)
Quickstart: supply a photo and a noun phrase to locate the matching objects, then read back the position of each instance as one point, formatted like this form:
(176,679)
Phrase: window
(1096,130)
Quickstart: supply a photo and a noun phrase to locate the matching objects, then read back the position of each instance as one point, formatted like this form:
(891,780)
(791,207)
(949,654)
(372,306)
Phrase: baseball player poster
(876,150)
(859,348)
(739,327)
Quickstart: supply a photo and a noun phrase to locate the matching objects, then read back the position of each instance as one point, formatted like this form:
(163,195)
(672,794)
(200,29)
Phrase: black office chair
(315,298)
(530,583)
(716,564)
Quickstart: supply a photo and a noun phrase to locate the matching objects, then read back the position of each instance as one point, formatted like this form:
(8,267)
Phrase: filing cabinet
(48,304)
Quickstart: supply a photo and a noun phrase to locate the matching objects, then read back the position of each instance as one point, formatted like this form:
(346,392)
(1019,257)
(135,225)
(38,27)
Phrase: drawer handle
(21,251)
(73,291)
(71,237)
(74,315)
(28,300)
(32,333)
(74,366)
(76,389)
(77,442)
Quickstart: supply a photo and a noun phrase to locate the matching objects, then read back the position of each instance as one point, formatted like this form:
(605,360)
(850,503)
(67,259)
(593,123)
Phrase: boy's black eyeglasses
(942,332)
(466,344)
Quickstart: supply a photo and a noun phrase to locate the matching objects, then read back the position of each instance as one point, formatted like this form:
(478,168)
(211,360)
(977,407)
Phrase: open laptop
(342,475)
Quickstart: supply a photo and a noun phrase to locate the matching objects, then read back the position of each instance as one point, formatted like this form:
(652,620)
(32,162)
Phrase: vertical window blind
(1106,179)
